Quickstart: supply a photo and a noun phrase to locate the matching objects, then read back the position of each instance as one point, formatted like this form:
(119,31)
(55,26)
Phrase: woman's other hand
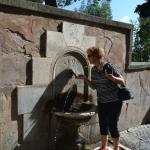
(85,78)
(117,80)
(109,75)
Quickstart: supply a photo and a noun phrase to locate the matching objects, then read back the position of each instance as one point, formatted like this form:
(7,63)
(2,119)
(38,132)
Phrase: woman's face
(92,59)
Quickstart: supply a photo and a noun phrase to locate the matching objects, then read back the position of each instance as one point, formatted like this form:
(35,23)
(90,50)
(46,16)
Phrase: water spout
(72,92)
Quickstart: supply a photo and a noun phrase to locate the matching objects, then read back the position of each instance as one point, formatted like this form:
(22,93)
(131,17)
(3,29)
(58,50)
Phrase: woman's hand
(81,76)
(109,75)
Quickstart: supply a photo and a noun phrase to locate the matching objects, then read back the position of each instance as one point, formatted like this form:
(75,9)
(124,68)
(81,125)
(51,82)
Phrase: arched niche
(67,65)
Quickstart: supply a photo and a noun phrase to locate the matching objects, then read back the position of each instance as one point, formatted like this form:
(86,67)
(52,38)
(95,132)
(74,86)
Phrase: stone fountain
(54,107)
(73,105)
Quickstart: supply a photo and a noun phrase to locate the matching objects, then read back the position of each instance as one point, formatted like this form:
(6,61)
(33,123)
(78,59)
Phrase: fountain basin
(67,133)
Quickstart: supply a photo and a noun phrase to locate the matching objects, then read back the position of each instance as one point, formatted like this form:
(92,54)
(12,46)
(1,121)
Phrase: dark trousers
(108,118)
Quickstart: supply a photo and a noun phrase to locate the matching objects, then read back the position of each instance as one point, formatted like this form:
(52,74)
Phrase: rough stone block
(8,135)
(13,70)
(55,43)
(41,71)
(87,42)
(73,34)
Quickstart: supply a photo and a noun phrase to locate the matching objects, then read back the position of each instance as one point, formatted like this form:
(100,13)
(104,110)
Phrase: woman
(106,84)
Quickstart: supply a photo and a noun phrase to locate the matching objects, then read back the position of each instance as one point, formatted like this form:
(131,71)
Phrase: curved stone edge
(75,115)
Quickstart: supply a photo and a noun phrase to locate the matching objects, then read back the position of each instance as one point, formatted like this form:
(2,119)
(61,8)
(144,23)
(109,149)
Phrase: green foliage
(96,8)
(141,51)
(63,3)
(105,10)
(60,3)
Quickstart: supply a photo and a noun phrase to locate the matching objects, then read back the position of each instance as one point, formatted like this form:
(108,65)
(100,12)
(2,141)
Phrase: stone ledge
(133,66)
(28,5)
(30,98)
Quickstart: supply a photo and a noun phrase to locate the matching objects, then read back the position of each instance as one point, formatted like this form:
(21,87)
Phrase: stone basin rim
(75,115)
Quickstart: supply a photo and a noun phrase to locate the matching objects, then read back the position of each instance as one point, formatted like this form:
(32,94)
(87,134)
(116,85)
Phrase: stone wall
(23,28)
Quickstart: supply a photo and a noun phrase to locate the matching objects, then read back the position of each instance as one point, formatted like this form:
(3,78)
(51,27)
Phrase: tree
(141,51)
(63,3)
(59,3)
(56,3)
(51,2)
(144,9)
(106,10)
(96,8)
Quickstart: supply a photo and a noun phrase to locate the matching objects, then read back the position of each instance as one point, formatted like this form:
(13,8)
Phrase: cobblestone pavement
(137,138)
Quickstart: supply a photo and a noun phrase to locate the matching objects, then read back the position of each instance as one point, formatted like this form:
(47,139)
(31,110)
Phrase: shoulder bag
(124,93)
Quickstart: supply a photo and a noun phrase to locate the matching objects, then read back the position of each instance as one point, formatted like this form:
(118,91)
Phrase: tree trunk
(51,3)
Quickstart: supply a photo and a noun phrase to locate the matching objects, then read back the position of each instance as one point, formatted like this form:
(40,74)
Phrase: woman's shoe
(103,148)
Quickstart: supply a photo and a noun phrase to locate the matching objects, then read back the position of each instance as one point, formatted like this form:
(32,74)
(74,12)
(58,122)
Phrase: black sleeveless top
(107,90)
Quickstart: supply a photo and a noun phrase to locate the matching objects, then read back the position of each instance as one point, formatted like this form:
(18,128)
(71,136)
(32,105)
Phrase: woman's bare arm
(117,80)
(89,82)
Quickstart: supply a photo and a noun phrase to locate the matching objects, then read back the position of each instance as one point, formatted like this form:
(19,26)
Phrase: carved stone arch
(75,52)
(69,59)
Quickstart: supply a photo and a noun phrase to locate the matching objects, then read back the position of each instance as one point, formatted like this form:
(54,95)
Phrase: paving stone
(137,138)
